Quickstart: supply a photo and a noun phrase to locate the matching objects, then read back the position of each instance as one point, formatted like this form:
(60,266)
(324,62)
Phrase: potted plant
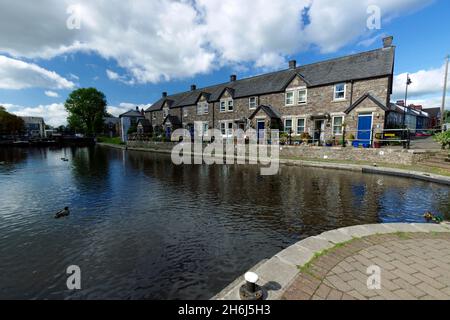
(377,140)
(329,143)
(284,137)
(305,137)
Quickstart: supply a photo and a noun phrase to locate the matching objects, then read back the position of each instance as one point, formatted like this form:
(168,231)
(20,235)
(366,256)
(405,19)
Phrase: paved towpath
(409,261)
(414,266)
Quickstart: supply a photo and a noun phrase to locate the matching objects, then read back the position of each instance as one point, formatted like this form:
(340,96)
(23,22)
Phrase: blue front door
(168,132)
(365,129)
(261,127)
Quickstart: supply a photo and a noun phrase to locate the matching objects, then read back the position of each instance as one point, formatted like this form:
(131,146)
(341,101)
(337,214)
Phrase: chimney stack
(137,109)
(233,78)
(193,87)
(387,42)
(292,64)
(164,94)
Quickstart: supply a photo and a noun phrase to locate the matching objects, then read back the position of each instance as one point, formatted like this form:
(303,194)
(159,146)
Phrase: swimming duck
(432,218)
(63,213)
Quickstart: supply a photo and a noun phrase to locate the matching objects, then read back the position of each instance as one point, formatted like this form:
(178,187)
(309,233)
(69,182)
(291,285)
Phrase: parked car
(422,133)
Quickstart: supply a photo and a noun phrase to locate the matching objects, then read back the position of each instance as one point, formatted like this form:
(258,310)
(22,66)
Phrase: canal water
(142,228)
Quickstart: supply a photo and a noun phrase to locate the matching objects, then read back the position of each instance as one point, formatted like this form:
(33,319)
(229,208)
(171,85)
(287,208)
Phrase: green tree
(86,108)
(10,123)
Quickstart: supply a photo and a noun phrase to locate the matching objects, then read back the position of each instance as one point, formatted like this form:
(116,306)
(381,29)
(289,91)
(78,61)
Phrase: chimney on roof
(164,94)
(292,64)
(142,111)
(193,87)
(137,109)
(233,78)
(400,103)
(387,42)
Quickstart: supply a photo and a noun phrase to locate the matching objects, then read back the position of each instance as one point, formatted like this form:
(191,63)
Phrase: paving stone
(335,236)
(431,227)
(277,271)
(296,255)
(379,228)
(356,231)
(416,267)
(315,244)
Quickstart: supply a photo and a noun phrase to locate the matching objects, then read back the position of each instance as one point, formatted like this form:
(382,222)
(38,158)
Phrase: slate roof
(131,113)
(364,97)
(433,112)
(174,120)
(271,112)
(360,66)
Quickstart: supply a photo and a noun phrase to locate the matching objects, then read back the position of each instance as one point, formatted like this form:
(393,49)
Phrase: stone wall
(394,156)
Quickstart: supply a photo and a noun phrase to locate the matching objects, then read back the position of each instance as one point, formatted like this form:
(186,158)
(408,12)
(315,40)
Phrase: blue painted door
(261,127)
(364,129)
(168,132)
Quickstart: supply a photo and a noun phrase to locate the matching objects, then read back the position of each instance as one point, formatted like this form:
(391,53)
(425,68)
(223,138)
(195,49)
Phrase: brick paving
(414,266)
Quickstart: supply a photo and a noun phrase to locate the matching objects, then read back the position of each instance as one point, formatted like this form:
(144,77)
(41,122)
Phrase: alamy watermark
(73,22)
(237,147)
(374,19)
(374,279)
(74,280)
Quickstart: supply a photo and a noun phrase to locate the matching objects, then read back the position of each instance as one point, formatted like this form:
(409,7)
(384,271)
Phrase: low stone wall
(398,156)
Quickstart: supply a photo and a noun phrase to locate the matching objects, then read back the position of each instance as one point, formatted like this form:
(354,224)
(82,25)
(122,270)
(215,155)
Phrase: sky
(134,51)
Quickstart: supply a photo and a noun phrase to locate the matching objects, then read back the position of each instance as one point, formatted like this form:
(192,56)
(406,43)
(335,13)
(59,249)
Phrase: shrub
(443,138)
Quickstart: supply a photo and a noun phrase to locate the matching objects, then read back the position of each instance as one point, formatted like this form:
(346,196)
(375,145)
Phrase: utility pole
(444,95)
(408,82)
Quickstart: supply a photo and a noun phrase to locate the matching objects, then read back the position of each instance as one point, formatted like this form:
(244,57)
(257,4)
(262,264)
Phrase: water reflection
(142,228)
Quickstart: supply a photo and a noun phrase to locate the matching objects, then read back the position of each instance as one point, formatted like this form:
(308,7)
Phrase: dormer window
(226,105)
(302,96)
(166,112)
(340,91)
(202,108)
(290,98)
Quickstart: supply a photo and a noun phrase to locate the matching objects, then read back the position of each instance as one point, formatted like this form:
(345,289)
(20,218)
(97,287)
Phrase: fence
(374,138)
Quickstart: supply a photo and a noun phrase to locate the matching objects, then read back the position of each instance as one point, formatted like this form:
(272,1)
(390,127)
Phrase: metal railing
(374,138)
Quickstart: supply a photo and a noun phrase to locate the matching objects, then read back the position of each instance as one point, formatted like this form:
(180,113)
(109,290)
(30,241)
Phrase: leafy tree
(86,107)
(10,123)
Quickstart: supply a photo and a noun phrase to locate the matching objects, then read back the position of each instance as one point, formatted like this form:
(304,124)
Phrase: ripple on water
(142,228)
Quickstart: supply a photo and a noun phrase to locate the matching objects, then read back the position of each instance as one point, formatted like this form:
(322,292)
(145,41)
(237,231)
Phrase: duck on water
(63,213)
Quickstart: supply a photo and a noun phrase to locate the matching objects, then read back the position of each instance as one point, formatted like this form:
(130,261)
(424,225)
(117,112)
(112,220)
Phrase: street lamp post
(405,110)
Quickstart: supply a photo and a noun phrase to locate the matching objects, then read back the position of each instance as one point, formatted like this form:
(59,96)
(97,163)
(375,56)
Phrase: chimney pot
(193,87)
(233,78)
(164,94)
(292,64)
(387,42)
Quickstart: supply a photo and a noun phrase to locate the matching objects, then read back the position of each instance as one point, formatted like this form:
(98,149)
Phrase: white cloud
(426,88)
(16,74)
(124,107)
(51,94)
(162,40)
(54,114)
(424,82)
(112,75)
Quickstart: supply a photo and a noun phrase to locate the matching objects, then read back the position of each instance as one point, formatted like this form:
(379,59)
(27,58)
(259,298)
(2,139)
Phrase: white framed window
(302,96)
(289,98)
(288,125)
(230,105)
(201,128)
(226,105)
(205,128)
(186,113)
(166,112)
(226,128)
(337,125)
(202,108)
(301,126)
(340,91)
(252,103)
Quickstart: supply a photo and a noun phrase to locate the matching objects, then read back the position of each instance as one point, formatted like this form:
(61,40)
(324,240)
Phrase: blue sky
(133,53)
